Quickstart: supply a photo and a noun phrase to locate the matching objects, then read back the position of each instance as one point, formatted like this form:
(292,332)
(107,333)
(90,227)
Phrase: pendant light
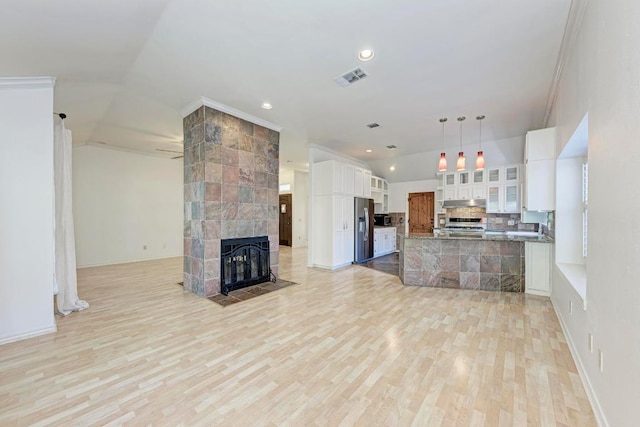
(442,165)
(460,166)
(480,159)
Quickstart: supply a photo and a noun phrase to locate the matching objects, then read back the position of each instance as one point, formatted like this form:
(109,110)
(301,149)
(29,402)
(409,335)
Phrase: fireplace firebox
(243,262)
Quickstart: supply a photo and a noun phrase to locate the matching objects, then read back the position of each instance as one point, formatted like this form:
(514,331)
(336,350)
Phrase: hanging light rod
(460,166)
(480,158)
(442,165)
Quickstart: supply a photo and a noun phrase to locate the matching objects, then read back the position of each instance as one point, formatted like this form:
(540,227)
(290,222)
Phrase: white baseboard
(537,292)
(126,261)
(591,395)
(31,334)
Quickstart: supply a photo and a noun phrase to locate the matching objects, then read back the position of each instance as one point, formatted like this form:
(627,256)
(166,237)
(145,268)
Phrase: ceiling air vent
(391,147)
(373,125)
(350,77)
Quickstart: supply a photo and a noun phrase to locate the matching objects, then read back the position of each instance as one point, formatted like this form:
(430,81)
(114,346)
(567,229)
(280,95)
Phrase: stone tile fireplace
(230,189)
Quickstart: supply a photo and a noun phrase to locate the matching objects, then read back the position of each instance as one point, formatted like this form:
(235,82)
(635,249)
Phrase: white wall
(123,201)
(26,208)
(601,79)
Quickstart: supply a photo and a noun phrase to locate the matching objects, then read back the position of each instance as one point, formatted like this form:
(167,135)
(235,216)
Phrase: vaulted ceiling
(126,68)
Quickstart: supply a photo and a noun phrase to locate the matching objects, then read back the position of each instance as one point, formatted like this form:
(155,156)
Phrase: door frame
(433,195)
(289,227)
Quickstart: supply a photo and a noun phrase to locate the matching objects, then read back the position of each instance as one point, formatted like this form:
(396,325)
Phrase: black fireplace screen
(243,262)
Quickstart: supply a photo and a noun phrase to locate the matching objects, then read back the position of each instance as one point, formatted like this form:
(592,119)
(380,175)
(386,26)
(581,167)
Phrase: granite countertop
(479,236)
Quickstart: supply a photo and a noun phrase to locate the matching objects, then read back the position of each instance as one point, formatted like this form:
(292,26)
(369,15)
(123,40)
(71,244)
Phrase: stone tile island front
(492,263)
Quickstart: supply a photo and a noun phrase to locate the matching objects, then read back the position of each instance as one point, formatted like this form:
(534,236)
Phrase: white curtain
(65,279)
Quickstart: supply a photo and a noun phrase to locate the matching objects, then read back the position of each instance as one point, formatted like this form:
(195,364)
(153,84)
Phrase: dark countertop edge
(499,238)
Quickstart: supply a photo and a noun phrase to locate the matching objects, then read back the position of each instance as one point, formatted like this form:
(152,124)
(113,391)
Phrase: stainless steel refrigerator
(363,229)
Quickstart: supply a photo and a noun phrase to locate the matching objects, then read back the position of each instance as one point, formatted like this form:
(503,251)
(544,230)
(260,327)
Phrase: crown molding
(27,82)
(191,107)
(571,30)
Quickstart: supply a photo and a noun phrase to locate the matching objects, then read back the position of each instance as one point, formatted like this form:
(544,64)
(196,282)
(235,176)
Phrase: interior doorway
(285,219)
(421,210)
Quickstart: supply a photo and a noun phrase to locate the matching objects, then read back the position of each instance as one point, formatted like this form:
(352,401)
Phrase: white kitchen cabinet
(479,192)
(539,193)
(464,178)
(477,177)
(348,180)
(508,174)
(450,179)
(333,249)
(494,175)
(511,198)
(511,174)
(451,193)
(539,188)
(464,193)
(367,184)
(332,224)
(358,182)
(537,258)
(378,184)
(384,241)
(333,177)
(503,198)
(540,145)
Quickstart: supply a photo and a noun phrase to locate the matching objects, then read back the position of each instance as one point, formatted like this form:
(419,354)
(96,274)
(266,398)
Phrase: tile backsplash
(494,221)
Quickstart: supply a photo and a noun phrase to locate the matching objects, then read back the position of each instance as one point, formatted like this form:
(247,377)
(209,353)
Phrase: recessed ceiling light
(266,106)
(368,150)
(366,55)
(392,168)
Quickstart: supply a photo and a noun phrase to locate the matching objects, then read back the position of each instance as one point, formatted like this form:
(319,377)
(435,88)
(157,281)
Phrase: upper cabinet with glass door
(464,178)
(450,178)
(477,177)
(504,174)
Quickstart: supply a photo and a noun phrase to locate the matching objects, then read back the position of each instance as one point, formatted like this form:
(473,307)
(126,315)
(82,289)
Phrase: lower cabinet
(537,258)
(384,241)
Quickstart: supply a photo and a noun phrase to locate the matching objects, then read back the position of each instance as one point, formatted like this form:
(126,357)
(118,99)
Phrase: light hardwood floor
(350,347)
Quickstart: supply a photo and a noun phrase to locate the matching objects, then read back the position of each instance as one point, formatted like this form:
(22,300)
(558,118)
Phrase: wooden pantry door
(421,211)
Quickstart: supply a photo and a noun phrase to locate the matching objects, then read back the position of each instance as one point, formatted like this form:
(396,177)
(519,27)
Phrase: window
(571,220)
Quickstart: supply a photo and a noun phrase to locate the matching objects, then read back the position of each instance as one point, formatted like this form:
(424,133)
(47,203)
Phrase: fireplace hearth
(243,262)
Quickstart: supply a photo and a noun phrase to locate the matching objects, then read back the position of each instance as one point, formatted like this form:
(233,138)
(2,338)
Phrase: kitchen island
(485,261)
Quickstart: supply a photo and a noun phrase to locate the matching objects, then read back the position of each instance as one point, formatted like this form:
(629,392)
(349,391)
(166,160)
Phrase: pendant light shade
(480,158)
(460,166)
(442,164)
(480,161)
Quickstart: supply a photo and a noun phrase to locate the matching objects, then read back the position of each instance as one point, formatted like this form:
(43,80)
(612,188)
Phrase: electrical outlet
(600,360)
(590,341)
(511,222)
